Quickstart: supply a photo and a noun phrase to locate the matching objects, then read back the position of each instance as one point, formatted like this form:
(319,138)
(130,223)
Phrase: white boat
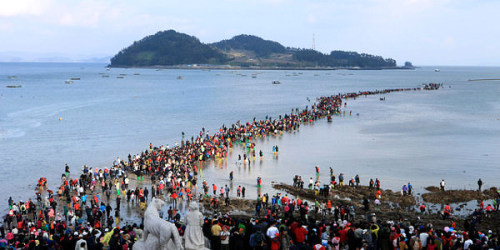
(68,82)
(276,82)
(437,70)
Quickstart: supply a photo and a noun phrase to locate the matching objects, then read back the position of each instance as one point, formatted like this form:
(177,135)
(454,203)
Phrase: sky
(425,32)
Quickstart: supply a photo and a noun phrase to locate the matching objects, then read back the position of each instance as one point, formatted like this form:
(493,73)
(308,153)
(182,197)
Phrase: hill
(172,49)
(261,47)
(168,48)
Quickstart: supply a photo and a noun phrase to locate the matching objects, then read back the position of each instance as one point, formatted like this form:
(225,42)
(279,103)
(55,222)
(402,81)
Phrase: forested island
(172,49)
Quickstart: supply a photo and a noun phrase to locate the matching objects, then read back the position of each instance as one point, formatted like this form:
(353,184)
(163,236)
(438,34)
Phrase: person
(422,208)
(227,189)
(272,230)
(410,188)
(115,243)
(216,240)
(81,244)
(224,236)
(442,184)
(479,184)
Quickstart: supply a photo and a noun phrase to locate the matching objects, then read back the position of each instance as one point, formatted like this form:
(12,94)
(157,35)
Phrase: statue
(193,235)
(158,232)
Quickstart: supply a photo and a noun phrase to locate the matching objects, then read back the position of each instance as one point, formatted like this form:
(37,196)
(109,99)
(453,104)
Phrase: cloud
(10,8)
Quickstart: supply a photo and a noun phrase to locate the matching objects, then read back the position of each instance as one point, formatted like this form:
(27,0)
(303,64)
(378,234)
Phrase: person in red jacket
(300,234)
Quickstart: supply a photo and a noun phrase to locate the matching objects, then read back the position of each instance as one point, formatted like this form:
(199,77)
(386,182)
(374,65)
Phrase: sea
(104,114)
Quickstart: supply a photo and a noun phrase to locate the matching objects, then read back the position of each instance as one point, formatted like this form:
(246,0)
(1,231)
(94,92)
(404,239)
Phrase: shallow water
(421,136)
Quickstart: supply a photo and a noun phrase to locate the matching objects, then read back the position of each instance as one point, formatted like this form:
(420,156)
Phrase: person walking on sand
(442,184)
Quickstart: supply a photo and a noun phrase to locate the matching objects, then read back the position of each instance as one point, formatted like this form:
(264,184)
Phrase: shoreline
(229,67)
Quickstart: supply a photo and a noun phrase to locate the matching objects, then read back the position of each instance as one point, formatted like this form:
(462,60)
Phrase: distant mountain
(170,48)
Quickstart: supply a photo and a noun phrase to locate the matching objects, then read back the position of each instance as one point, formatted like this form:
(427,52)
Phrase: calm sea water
(422,136)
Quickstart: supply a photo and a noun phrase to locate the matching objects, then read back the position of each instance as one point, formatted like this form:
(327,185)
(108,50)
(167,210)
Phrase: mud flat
(437,196)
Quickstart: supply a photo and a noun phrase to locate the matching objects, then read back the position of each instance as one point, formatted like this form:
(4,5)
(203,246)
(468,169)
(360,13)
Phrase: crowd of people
(85,211)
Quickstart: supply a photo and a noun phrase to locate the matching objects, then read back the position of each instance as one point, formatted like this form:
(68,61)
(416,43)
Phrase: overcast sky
(426,32)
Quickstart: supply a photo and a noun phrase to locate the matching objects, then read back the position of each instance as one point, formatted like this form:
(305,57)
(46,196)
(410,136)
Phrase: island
(172,49)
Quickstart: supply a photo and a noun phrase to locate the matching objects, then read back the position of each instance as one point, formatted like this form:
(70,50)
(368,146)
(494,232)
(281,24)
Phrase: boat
(14,86)
(12,77)
(121,77)
(437,70)
(180,78)
(75,78)
(68,82)
(276,82)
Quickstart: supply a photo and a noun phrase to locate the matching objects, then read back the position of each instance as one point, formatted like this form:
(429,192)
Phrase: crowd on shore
(85,211)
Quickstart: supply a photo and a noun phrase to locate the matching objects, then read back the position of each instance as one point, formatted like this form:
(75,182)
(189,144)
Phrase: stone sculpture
(158,232)
(193,235)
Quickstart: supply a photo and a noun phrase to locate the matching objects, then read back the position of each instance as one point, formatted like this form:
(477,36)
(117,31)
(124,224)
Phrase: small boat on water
(180,78)
(12,77)
(437,70)
(14,86)
(276,82)
(68,82)
(121,77)
(75,78)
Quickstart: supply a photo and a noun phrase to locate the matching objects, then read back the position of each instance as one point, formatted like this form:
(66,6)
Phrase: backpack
(256,239)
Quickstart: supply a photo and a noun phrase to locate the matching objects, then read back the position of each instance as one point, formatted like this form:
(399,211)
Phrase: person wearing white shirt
(272,230)
(467,244)
(423,239)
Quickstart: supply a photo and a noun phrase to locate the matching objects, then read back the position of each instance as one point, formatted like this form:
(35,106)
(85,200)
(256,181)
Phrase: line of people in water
(172,171)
